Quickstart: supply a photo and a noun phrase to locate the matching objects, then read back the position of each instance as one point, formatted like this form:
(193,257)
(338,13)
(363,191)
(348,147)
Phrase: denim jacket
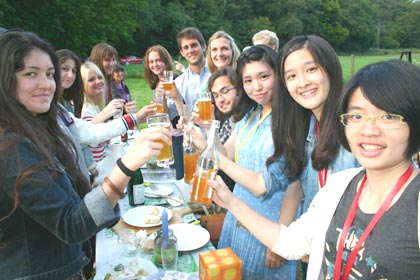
(309,176)
(43,237)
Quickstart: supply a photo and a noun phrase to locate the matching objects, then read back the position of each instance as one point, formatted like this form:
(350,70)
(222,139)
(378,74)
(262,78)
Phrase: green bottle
(136,189)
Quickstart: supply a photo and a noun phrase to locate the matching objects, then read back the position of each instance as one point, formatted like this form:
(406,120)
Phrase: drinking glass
(168,84)
(166,156)
(118,114)
(169,255)
(186,114)
(204,106)
(158,100)
(128,242)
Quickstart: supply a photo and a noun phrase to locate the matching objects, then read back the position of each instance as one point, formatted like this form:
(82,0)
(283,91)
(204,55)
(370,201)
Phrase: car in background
(131,59)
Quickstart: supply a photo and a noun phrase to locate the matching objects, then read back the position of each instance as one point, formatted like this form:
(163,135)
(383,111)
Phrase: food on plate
(148,246)
(154,217)
(131,270)
(155,212)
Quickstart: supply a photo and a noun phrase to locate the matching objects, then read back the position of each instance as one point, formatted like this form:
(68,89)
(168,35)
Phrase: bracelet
(113,187)
(124,169)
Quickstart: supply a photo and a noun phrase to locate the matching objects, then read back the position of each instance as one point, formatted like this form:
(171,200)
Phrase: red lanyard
(350,218)
(322,174)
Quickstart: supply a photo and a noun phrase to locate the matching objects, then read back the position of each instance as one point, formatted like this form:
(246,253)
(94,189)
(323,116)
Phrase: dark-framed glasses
(384,121)
(222,92)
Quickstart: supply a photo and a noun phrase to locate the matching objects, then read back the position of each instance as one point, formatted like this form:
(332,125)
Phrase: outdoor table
(107,249)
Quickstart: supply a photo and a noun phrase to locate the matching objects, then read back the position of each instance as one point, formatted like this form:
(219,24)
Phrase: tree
(73,24)
(357,19)
(331,23)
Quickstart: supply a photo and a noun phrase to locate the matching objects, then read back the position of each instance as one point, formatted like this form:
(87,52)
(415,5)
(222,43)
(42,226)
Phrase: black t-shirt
(391,251)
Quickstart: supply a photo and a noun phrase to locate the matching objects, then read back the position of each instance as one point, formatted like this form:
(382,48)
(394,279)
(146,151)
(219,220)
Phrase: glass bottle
(190,160)
(206,168)
(135,189)
(172,241)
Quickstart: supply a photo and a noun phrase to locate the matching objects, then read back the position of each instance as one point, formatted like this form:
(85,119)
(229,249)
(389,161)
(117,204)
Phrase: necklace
(322,174)
(350,218)
(241,143)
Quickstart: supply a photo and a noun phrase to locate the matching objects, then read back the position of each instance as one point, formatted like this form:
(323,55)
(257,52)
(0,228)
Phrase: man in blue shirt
(192,81)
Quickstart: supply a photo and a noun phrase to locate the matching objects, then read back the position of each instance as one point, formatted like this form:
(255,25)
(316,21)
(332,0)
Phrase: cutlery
(165,196)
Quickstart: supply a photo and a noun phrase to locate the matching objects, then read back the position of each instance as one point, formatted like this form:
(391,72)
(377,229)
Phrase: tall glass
(168,83)
(204,106)
(158,100)
(166,156)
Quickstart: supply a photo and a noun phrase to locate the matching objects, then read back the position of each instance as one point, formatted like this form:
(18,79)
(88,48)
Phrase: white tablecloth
(107,245)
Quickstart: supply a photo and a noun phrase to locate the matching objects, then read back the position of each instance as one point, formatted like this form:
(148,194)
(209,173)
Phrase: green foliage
(132,26)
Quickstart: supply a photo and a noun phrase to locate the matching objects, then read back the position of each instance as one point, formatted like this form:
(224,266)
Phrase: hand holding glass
(166,156)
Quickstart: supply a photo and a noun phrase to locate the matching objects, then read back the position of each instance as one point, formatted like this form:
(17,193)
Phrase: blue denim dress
(253,155)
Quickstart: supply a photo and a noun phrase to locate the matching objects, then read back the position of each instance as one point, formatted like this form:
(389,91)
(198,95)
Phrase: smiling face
(118,76)
(108,63)
(35,83)
(156,64)
(221,52)
(375,148)
(95,85)
(226,100)
(192,51)
(258,82)
(306,81)
(68,73)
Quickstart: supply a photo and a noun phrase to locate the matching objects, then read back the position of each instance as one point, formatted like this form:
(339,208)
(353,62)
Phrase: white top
(306,236)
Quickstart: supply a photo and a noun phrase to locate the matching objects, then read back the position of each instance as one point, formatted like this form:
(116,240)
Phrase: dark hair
(17,124)
(118,67)
(190,33)
(291,121)
(151,78)
(393,86)
(233,79)
(261,53)
(73,94)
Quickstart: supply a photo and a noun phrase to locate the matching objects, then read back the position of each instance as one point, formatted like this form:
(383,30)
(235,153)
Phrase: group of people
(316,170)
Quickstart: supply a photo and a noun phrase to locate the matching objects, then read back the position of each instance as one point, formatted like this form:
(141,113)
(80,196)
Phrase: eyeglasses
(222,92)
(384,121)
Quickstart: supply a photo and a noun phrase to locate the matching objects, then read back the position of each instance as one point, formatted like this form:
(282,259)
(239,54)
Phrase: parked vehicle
(131,59)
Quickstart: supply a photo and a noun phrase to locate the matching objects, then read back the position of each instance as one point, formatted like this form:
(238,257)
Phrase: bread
(148,246)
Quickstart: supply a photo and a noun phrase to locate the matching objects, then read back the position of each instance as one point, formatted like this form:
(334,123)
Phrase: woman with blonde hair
(94,109)
(222,51)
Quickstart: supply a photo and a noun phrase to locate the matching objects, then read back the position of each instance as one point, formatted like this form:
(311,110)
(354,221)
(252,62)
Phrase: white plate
(137,216)
(136,263)
(170,274)
(190,237)
(159,190)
